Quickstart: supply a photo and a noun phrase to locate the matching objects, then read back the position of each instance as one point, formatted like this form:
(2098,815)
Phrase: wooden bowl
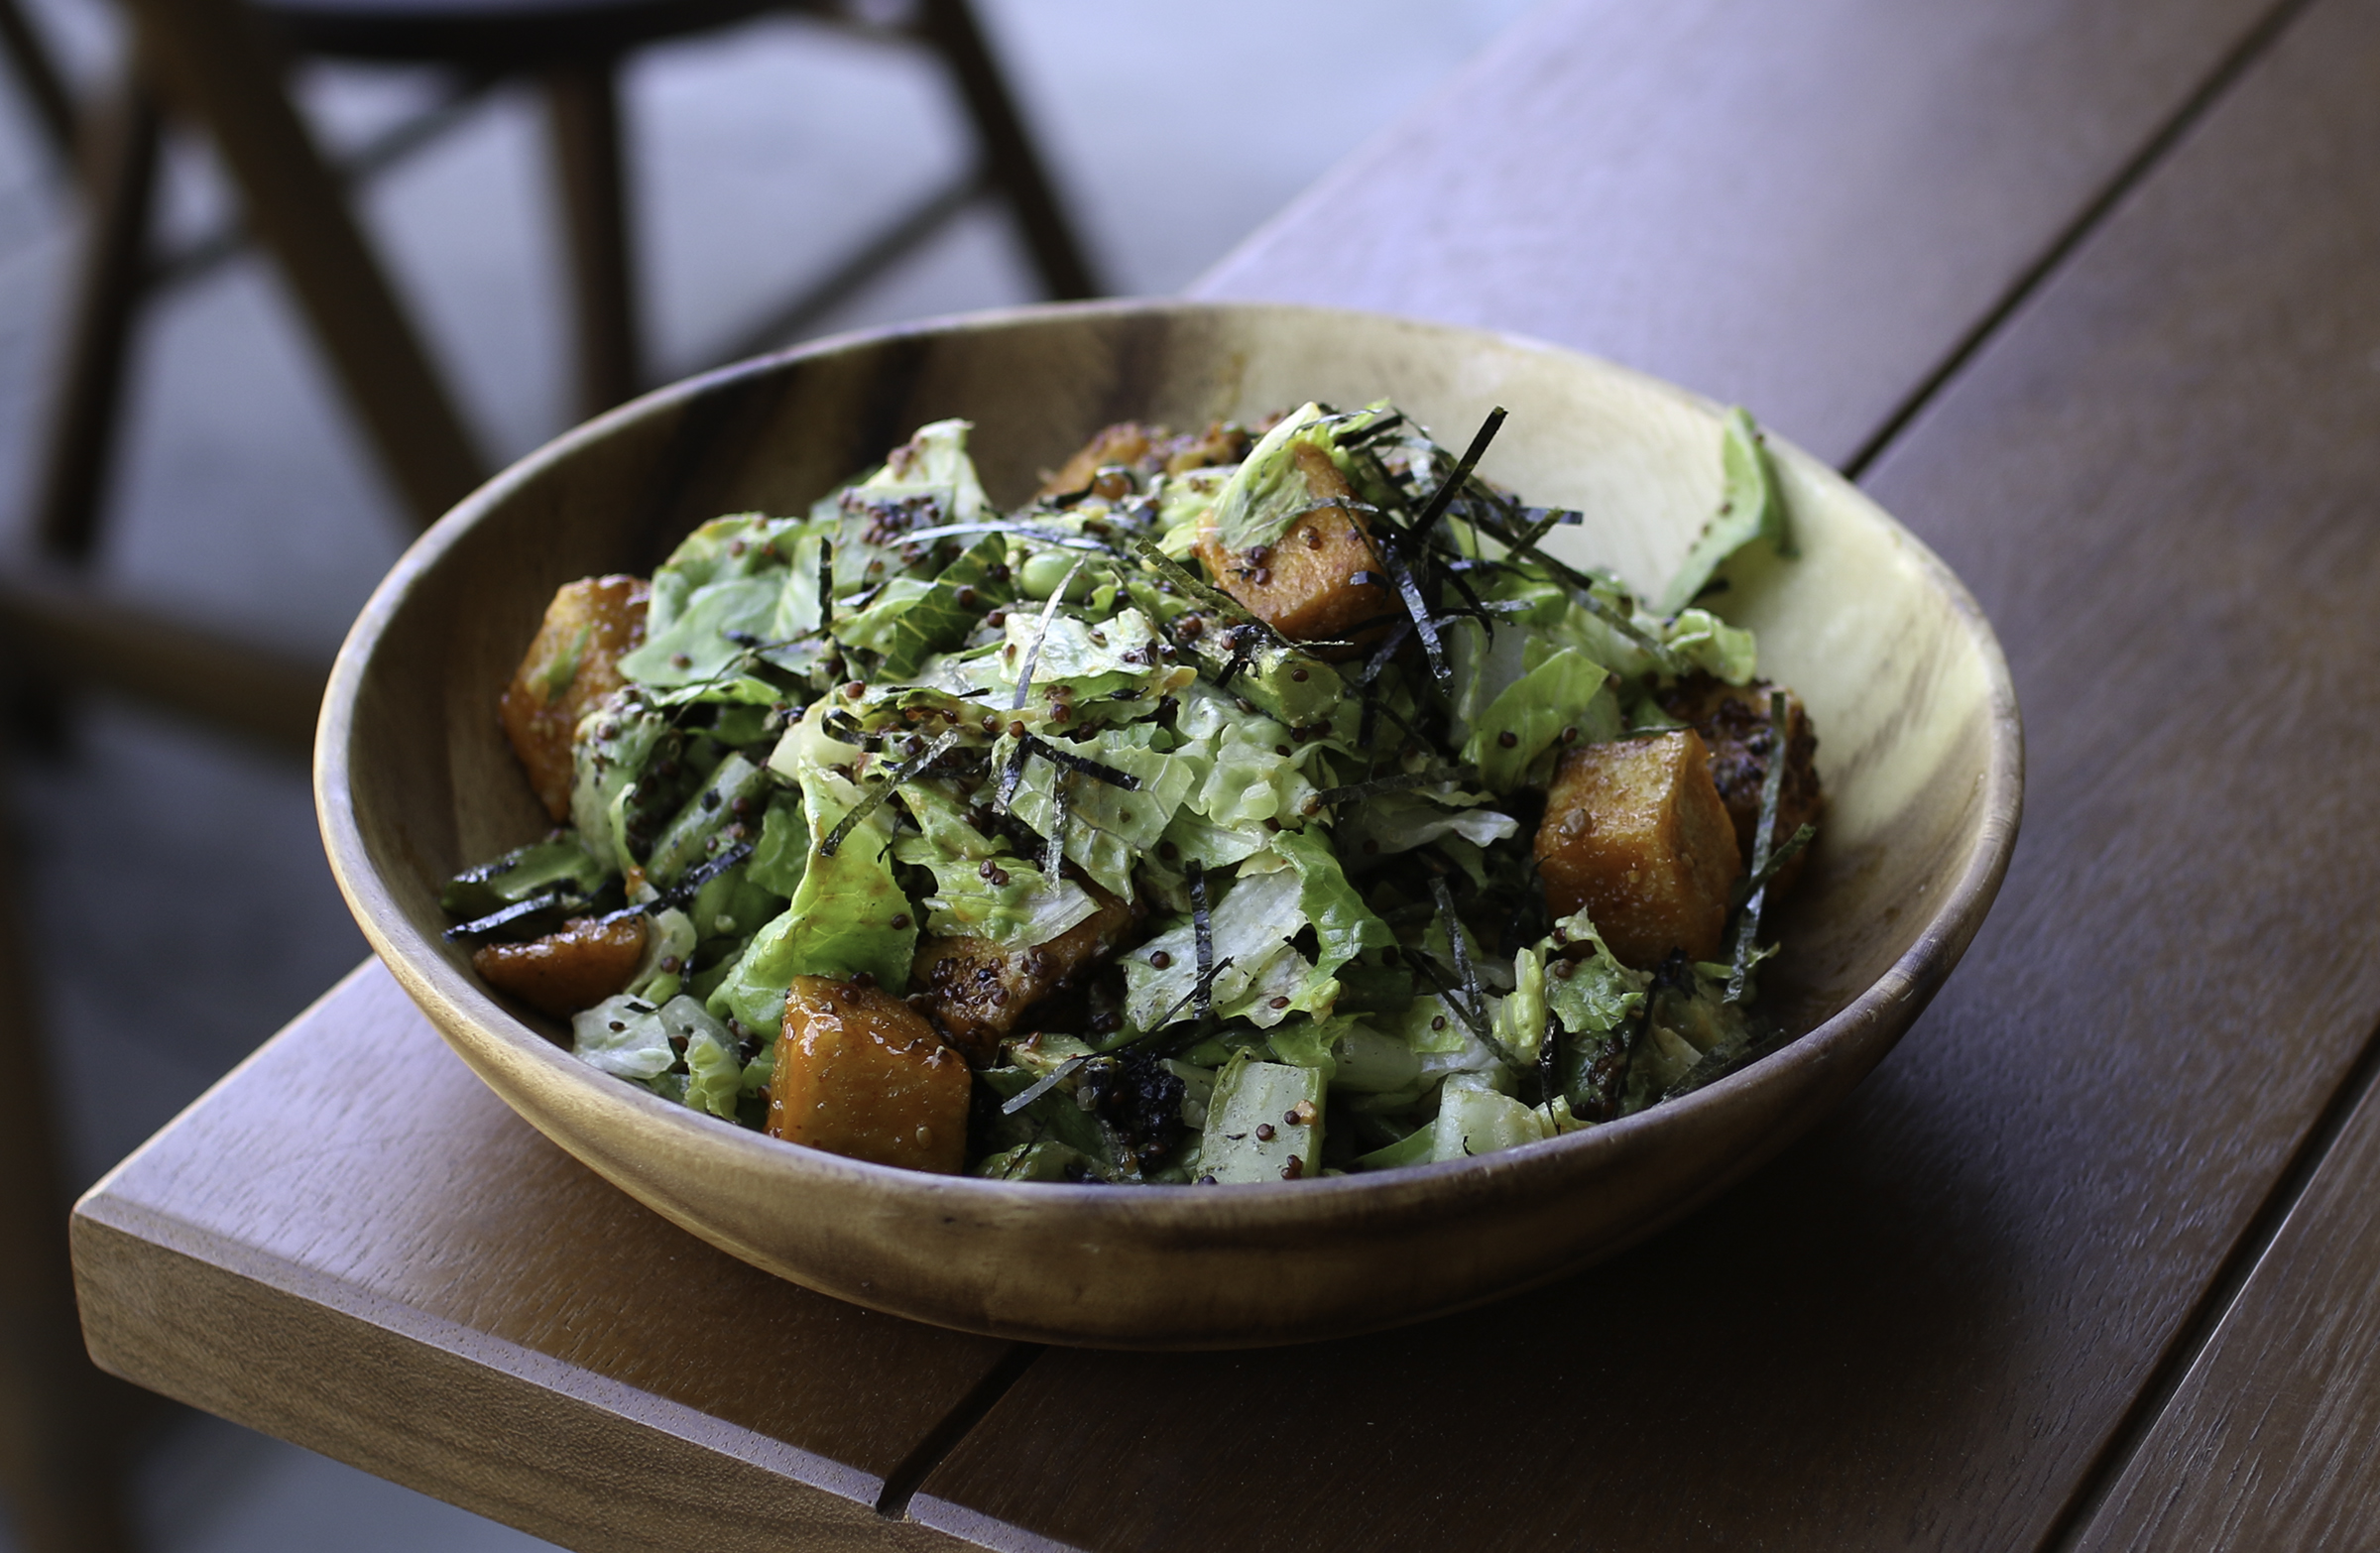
(1920,750)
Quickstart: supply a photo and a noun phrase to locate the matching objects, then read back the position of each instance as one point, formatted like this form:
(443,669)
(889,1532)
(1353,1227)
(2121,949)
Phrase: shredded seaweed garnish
(1057,536)
(1473,1005)
(1214,598)
(1040,1086)
(873,799)
(1772,793)
(1549,1035)
(1032,654)
(826,585)
(1452,483)
(1787,850)
(1201,991)
(498,921)
(1053,847)
(1011,771)
(1582,587)
(1357,791)
(1068,760)
(1547,519)
(1202,925)
(1419,607)
(703,872)
(1388,650)
(1243,650)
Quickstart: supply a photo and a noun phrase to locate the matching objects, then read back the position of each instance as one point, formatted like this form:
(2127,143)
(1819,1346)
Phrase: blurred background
(174,906)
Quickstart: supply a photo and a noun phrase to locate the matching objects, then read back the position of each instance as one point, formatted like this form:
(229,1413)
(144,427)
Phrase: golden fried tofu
(1145,451)
(1323,580)
(1123,444)
(978,990)
(571,664)
(562,973)
(860,1074)
(1634,831)
(1733,722)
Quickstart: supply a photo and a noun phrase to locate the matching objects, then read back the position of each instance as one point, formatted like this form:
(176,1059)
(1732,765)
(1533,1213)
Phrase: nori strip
(1356,790)
(703,872)
(1475,1014)
(1387,650)
(1081,763)
(1072,542)
(1203,927)
(1032,654)
(1213,597)
(1772,793)
(1010,775)
(1053,850)
(1040,1086)
(1452,483)
(1202,990)
(1419,607)
(871,800)
(1786,852)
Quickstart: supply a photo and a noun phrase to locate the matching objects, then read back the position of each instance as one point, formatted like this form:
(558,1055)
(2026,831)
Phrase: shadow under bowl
(1921,755)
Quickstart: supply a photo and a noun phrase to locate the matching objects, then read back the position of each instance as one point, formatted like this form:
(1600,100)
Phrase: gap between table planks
(1929,1322)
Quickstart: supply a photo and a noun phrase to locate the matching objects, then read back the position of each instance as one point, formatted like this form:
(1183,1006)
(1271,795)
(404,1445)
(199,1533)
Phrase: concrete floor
(183,911)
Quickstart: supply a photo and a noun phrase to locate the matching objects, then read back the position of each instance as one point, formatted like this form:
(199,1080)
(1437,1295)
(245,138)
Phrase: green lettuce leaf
(1568,690)
(1750,509)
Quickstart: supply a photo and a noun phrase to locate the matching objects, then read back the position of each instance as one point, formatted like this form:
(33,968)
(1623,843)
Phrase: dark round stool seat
(495,35)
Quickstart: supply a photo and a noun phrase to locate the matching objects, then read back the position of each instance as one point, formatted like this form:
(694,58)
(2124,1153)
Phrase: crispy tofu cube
(1733,722)
(1307,587)
(1145,451)
(860,1074)
(571,664)
(562,973)
(978,990)
(1634,831)
(1123,444)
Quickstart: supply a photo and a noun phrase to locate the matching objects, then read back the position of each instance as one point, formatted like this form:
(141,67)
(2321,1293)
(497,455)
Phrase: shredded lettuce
(1750,509)
(622,1035)
(1568,692)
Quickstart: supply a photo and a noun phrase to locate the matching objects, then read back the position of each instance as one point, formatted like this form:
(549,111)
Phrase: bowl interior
(1917,725)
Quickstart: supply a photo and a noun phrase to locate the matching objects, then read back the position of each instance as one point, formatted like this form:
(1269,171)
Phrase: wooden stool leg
(582,99)
(214,61)
(119,178)
(62,1455)
(1015,165)
(53,104)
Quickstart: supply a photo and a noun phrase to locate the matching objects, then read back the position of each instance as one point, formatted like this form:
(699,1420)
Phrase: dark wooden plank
(1800,208)
(351,1242)
(1925,1324)
(2268,1441)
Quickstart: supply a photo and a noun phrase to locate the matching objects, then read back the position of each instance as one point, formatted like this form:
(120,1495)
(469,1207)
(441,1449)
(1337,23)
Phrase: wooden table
(2089,293)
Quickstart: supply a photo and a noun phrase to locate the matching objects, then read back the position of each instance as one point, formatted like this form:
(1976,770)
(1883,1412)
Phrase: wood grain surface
(2268,1442)
(1801,208)
(2274,264)
(1926,1322)
(351,1242)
